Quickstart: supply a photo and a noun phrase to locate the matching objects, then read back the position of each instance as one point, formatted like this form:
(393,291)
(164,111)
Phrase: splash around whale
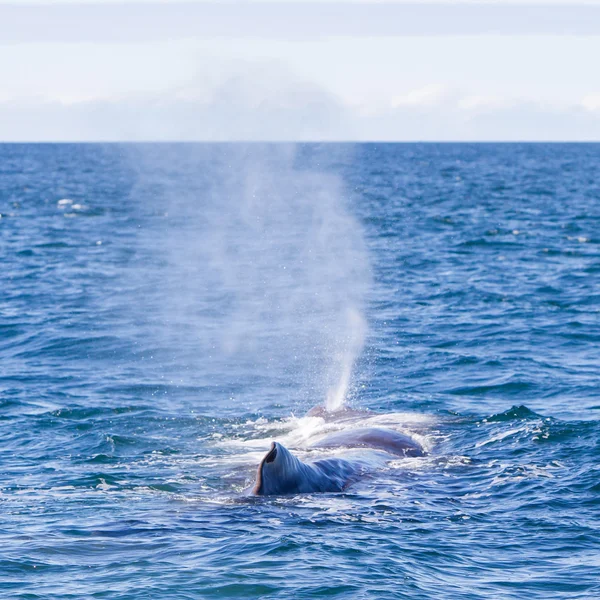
(280,472)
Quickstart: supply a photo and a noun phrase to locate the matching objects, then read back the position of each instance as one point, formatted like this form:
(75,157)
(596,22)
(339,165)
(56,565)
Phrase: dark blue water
(167,310)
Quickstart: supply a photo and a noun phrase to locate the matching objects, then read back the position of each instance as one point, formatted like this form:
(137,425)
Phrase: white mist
(266,269)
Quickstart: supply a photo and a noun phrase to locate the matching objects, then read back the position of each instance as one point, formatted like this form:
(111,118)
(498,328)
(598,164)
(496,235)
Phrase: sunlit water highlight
(154,338)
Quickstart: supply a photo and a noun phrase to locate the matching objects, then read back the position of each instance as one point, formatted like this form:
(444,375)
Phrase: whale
(282,473)
(377,438)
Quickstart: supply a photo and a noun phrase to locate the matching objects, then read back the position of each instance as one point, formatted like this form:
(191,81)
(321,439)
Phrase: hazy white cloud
(257,104)
(484,102)
(428,95)
(519,121)
(267,104)
(123,70)
(591,102)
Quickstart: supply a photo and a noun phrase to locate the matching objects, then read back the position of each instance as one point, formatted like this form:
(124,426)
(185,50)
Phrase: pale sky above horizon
(338,70)
(505,2)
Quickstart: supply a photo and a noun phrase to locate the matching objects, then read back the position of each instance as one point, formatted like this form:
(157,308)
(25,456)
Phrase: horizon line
(300,142)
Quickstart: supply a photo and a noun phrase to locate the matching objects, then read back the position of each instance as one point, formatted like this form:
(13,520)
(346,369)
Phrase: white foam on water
(299,434)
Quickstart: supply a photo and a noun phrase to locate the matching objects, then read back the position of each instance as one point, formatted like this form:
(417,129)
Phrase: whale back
(388,440)
(336,473)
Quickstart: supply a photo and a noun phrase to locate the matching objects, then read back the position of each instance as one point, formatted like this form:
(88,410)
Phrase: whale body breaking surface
(280,472)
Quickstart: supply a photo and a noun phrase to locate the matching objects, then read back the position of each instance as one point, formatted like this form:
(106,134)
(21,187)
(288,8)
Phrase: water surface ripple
(139,387)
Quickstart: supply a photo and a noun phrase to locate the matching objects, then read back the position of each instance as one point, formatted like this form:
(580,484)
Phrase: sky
(289,70)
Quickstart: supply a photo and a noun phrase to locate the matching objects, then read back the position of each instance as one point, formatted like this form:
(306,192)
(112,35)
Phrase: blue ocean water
(168,310)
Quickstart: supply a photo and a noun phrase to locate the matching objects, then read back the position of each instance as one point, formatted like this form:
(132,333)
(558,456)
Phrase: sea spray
(350,347)
(265,269)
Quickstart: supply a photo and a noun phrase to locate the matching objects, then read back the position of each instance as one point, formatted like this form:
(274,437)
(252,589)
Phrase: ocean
(168,310)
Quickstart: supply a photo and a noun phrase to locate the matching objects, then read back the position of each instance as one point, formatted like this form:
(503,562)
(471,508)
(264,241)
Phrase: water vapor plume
(265,268)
